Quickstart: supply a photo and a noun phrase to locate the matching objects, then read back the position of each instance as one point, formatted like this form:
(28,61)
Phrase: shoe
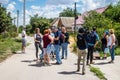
(92,62)
(62,58)
(87,63)
(58,63)
(49,64)
(83,73)
(111,61)
(78,70)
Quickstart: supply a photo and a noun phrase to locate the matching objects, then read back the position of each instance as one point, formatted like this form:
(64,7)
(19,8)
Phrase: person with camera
(93,39)
(82,49)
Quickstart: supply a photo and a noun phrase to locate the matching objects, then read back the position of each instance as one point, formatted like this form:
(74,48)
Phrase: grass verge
(98,73)
(8,46)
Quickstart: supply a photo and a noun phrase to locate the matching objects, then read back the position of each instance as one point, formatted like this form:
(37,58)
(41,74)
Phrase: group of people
(53,39)
(87,42)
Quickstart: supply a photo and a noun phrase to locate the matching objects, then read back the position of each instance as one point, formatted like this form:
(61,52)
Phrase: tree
(69,12)
(113,12)
(99,21)
(5,20)
(39,22)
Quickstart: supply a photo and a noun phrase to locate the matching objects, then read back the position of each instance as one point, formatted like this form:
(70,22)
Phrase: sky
(50,8)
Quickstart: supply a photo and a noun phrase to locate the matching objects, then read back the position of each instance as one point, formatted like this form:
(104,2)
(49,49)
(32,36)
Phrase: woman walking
(38,40)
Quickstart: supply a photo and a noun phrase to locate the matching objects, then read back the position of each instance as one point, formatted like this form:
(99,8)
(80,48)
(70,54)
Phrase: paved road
(22,67)
(111,71)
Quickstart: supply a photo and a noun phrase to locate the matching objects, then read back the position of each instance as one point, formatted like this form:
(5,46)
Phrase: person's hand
(111,47)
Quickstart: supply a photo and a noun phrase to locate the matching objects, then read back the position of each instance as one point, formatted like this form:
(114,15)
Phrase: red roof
(80,19)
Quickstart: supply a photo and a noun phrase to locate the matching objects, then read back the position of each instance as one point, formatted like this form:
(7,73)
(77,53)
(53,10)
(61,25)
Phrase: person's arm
(58,36)
(97,40)
(51,38)
(35,38)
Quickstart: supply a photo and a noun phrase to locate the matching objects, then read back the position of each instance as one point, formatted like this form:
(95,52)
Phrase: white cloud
(35,7)
(54,7)
(26,0)
(11,7)
(4,1)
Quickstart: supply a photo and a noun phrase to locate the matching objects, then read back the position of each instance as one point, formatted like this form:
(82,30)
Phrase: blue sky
(50,8)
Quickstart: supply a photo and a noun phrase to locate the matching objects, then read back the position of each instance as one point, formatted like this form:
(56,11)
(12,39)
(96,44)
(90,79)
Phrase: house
(68,22)
(80,21)
(64,21)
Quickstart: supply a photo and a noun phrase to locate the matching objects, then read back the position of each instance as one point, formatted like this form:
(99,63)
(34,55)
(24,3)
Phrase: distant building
(64,22)
(80,21)
(68,22)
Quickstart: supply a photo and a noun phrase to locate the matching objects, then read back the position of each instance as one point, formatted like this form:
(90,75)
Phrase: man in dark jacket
(82,49)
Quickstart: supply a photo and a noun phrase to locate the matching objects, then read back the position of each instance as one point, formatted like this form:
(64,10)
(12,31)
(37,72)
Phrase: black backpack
(92,38)
(81,42)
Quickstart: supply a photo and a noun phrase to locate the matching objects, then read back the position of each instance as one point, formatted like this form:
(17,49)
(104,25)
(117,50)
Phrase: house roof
(66,21)
(55,22)
(80,19)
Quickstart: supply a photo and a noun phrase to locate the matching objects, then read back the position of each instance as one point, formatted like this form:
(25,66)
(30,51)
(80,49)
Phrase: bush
(13,34)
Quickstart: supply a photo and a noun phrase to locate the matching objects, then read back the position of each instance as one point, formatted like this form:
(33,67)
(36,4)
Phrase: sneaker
(62,58)
(92,62)
(111,61)
(78,70)
(87,63)
(83,73)
(58,63)
(49,64)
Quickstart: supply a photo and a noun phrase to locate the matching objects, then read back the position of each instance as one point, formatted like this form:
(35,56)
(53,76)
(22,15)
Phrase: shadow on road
(28,61)
(101,63)
(37,65)
(69,72)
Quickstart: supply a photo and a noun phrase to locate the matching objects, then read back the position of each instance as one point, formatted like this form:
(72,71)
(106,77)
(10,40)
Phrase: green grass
(98,73)
(9,46)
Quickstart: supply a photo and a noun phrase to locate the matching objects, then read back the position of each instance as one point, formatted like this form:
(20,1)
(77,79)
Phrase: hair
(111,31)
(94,28)
(36,30)
(46,31)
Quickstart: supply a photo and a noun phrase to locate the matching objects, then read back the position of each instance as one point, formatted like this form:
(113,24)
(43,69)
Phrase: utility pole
(75,18)
(17,20)
(75,22)
(24,14)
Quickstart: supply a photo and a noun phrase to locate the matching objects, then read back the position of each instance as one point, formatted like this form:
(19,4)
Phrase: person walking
(111,45)
(47,40)
(64,42)
(57,45)
(24,37)
(38,40)
(93,39)
(81,49)
(104,47)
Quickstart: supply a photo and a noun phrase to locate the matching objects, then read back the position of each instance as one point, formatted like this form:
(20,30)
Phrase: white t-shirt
(110,40)
(24,36)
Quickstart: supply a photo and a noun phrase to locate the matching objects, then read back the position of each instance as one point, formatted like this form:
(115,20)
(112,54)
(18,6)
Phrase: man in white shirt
(23,40)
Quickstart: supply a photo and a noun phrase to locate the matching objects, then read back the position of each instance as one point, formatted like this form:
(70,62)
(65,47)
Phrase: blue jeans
(64,49)
(57,52)
(112,53)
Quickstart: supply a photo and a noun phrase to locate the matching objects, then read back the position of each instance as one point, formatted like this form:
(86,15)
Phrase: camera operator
(82,49)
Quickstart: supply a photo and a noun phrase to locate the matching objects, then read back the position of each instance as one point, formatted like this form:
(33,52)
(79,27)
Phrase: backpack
(92,38)
(81,42)
(116,42)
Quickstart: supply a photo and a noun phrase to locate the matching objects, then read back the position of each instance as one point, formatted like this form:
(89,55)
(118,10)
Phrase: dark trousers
(90,53)
(37,46)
